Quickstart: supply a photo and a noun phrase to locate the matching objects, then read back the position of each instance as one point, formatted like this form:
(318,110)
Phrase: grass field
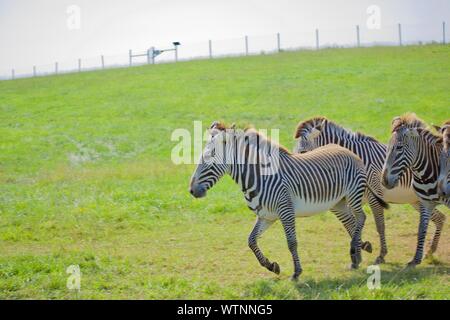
(86,178)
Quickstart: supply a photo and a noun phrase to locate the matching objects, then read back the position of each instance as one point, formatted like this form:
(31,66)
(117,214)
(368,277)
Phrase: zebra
(419,149)
(279,185)
(320,131)
(444,161)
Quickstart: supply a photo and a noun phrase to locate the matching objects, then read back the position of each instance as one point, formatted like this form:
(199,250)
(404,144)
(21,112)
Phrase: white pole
(79,65)
(246,45)
(103,62)
(176,53)
(210,49)
(153,54)
(443,32)
(278,42)
(34,71)
(399,34)
(13,74)
(56,67)
(357,36)
(148,56)
(317,39)
(129,54)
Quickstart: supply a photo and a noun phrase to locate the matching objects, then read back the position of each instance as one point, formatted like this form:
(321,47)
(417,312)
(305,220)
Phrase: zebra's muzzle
(388,181)
(198,191)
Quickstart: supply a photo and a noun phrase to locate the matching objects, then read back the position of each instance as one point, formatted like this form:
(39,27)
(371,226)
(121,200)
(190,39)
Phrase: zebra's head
(444,161)
(401,151)
(307,134)
(213,164)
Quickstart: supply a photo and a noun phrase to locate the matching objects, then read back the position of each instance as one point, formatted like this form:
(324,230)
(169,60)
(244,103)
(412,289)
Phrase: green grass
(86,178)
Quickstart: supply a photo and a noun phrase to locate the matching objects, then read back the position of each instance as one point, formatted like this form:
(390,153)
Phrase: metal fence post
(317,39)
(176,53)
(79,65)
(34,71)
(13,74)
(246,45)
(56,67)
(129,54)
(358,41)
(153,54)
(443,32)
(103,62)
(278,42)
(399,34)
(210,49)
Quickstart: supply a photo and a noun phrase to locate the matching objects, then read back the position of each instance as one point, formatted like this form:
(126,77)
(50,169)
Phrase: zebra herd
(332,168)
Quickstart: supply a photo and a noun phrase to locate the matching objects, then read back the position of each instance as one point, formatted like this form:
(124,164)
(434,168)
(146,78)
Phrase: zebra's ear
(437,128)
(314,133)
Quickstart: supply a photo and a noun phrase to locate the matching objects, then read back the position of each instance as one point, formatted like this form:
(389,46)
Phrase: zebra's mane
(321,122)
(429,136)
(250,131)
(265,140)
(408,120)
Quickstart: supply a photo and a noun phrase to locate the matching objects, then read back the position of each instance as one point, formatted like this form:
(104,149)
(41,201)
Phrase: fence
(314,39)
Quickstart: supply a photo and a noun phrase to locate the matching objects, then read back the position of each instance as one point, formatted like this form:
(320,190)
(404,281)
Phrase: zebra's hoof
(379,260)
(412,264)
(275,268)
(354,266)
(367,246)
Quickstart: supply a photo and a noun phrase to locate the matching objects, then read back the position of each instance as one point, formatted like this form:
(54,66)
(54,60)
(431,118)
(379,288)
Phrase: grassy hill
(86,177)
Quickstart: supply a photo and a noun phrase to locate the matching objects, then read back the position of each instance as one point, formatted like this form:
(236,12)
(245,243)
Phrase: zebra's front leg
(425,213)
(438,218)
(261,225)
(288,222)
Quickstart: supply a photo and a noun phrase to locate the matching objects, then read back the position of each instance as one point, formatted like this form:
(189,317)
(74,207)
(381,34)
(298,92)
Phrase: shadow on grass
(397,282)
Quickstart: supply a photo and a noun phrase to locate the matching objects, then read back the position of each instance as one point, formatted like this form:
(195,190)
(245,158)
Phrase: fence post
(278,42)
(176,53)
(153,54)
(443,32)
(56,67)
(399,34)
(13,74)
(246,45)
(148,56)
(79,65)
(129,55)
(210,48)
(358,41)
(103,62)
(34,71)
(317,39)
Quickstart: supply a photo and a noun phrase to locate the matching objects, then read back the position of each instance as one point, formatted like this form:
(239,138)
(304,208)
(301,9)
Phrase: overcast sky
(40,32)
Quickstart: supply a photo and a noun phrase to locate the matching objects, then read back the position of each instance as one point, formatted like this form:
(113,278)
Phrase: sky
(40,32)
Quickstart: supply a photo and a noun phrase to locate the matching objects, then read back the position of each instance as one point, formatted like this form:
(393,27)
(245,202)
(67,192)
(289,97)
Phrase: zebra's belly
(305,208)
(400,195)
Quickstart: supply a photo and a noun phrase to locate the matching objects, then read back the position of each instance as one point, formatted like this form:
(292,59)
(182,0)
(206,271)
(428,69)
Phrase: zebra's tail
(380,201)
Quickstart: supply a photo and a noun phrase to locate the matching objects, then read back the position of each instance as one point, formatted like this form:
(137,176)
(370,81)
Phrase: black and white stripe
(418,150)
(320,131)
(287,186)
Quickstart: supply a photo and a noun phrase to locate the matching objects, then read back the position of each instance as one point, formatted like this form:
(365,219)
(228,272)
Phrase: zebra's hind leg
(378,215)
(261,225)
(346,217)
(355,245)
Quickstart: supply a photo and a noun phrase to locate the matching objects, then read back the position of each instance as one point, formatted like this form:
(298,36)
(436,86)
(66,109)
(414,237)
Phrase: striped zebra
(320,131)
(444,161)
(418,149)
(279,185)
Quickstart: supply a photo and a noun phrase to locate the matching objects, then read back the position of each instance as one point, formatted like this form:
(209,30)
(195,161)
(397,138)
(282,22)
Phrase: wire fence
(312,39)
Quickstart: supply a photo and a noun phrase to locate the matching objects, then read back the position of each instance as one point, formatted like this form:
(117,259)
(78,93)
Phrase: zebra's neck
(425,167)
